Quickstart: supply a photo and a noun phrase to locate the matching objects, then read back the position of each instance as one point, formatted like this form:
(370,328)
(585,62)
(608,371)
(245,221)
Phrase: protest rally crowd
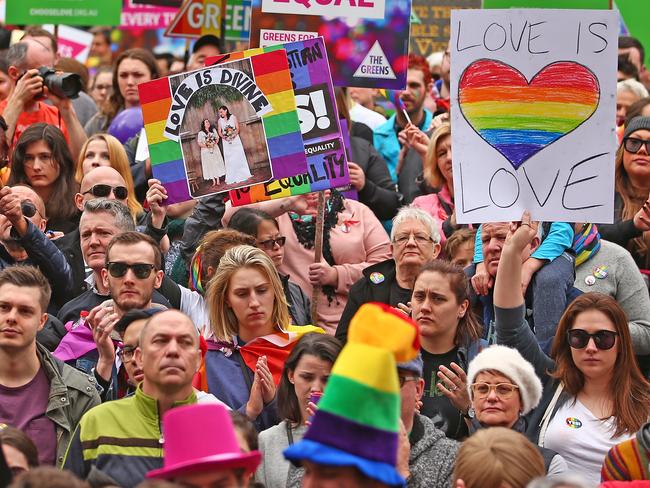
(202,344)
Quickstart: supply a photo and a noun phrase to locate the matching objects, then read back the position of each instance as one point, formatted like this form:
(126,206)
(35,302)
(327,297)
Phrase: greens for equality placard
(69,12)
(326,165)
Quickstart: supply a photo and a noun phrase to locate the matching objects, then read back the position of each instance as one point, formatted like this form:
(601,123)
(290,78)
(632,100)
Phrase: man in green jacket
(123,438)
(38,393)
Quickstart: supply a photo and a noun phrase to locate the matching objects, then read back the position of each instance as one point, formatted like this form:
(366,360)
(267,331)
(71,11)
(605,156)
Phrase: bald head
(162,320)
(38,54)
(26,193)
(103,175)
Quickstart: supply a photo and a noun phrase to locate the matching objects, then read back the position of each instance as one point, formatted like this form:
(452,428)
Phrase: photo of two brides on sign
(232,166)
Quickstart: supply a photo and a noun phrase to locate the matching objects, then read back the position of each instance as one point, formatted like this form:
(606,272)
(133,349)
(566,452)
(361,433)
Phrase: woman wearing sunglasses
(266,231)
(631,227)
(43,161)
(105,150)
(594,393)
(503,388)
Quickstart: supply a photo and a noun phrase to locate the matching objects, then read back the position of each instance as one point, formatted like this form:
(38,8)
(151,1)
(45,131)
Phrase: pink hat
(201,438)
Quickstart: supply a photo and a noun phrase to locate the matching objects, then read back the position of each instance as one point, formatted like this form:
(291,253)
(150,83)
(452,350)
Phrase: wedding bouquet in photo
(229,133)
(211,141)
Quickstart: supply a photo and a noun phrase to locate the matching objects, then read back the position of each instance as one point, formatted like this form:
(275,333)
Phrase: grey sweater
(432,458)
(623,283)
(274,468)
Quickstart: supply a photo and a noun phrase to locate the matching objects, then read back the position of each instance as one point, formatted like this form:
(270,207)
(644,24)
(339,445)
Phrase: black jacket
(380,192)
(365,291)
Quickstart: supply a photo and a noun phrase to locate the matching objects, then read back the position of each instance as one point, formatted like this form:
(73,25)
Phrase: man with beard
(22,226)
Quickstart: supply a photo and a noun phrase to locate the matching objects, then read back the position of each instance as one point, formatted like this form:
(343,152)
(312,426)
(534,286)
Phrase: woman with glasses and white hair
(414,241)
(594,393)
(503,389)
(252,332)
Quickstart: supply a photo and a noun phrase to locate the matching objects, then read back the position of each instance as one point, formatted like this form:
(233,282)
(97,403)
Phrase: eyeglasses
(141,271)
(126,353)
(404,379)
(102,191)
(604,339)
(420,239)
(28,209)
(502,390)
(270,243)
(633,145)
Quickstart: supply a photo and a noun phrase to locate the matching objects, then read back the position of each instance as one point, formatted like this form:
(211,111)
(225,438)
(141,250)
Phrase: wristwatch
(470,414)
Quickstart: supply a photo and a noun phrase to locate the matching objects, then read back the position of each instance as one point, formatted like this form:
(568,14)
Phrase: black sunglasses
(140,270)
(633,145)
(604,339)
(28,208)
(102,191)
(270,243)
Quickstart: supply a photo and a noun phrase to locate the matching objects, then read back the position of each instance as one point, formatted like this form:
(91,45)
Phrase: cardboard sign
(74,43)
(238,20)
(196,18)
(222,127)
(326,164)
(70,12)
(533,112)
(138,16)
(431,31)
(367,40)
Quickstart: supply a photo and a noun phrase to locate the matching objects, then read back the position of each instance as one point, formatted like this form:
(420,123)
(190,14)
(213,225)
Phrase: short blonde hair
(222,319)
(496,456)
(432,173)
(119,162)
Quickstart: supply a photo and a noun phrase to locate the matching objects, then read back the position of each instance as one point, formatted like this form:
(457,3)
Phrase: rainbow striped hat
(357,422)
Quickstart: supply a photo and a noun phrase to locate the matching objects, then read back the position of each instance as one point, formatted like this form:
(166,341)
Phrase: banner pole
(318,253)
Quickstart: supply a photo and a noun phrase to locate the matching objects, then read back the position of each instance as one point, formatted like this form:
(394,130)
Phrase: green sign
(585,4)
(636,16)
(69,12)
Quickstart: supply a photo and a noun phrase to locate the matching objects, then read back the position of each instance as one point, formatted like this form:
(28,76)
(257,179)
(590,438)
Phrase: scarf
(586,243)
(305,228)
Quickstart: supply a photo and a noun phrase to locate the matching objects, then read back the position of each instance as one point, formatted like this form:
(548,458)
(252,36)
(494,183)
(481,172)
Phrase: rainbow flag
(520,118)
(393,96)
(281,124)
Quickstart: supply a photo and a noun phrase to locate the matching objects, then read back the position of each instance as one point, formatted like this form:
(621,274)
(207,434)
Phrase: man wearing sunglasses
(22,226)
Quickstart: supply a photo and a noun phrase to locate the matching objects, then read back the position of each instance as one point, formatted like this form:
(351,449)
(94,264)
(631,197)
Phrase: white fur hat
(510,363)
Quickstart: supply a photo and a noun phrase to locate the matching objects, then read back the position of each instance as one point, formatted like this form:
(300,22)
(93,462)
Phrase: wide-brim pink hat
(200,438)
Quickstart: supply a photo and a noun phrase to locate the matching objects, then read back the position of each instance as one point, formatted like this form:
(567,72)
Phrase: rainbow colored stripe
(519,118)
(294,180)
(281,125)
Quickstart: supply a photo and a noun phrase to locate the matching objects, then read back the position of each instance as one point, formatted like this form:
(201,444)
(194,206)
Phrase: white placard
(533,114)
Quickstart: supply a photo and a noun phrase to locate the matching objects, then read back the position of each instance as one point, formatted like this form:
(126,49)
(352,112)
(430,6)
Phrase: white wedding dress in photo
(237,169)
(212,164)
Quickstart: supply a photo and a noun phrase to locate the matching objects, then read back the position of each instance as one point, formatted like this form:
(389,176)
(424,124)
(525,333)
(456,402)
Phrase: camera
(66,85)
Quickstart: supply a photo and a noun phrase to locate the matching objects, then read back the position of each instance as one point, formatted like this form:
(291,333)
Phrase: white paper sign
(533,114)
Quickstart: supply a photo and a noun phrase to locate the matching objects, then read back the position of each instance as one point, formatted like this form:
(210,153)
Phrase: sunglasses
(633,145)
(140,270)
(28,208)
(604,339)
(103,191)
(270,243)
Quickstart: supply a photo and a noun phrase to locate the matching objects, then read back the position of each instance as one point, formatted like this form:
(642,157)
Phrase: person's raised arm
(75,130)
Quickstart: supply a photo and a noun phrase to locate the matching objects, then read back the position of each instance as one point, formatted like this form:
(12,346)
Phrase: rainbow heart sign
(518,117)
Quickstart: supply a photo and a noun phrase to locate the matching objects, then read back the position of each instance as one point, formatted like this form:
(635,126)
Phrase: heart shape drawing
(520,118)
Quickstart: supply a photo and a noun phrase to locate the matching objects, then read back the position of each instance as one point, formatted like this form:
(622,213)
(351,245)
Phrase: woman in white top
(212,164)
(594,393)
(237,169)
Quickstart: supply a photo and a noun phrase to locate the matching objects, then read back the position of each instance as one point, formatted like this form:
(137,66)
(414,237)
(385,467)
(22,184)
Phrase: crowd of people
(200,344)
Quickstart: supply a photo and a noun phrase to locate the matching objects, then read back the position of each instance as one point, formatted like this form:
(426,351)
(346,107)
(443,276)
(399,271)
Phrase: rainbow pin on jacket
(357,422)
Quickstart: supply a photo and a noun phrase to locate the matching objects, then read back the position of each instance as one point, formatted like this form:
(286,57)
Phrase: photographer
(24,106)
(22,241)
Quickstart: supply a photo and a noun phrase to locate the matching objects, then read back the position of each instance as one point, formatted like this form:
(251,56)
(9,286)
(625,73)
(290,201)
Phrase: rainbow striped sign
(519,118)
(326,165)
(281,125)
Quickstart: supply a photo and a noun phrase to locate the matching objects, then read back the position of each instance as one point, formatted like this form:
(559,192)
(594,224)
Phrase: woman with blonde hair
(106,150)
(250,321)
(438,181)
(496,458)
